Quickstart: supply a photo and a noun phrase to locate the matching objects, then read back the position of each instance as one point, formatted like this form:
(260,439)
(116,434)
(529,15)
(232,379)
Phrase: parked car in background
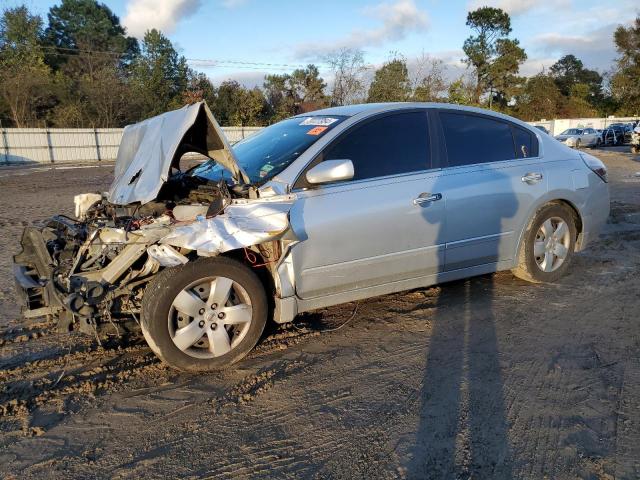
(622,136)
(324,208)
(635,140)
(580,137)
(608,137)
(541,128)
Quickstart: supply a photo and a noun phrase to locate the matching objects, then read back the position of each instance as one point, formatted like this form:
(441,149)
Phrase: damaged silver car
(319,209)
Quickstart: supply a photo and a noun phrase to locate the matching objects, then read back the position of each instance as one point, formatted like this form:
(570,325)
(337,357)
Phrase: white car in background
(580,137)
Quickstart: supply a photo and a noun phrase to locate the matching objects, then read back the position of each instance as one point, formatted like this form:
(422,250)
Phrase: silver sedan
(580,137)
(324,208)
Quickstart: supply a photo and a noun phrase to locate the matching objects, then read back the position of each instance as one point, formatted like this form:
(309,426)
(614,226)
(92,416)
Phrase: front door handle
(532,178)
(425,198)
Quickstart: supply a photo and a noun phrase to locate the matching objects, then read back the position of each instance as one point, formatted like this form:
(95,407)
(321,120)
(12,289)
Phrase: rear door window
(389,145)
(472,139)
(526,143)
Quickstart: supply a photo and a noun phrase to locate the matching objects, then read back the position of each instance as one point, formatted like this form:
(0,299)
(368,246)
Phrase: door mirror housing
(330,171)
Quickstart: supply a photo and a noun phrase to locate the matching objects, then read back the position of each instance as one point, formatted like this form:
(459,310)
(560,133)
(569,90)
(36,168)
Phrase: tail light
(596,166)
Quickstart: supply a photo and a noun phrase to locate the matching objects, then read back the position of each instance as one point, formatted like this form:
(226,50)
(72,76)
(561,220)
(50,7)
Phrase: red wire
(252,259)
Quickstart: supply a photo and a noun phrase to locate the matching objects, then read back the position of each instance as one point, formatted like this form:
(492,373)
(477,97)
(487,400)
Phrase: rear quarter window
(526,143)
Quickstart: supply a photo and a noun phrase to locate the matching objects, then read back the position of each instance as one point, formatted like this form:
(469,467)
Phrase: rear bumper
(32,273)
(595,211)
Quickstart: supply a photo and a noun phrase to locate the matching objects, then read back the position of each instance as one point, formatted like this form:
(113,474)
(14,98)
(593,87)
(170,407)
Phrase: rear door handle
(532,178)
(425,198)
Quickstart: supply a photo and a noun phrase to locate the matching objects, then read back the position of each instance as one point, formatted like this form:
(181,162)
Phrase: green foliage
(89,25)
(625,83)
(298,92)
(494,57)
(237,105)
(25,80)
(579,102)
(348,69)
(539,98)
(159,75)
(89,48)
(429,84)
(391,83)
(199,88)
(568,72)
(83,70)
(460,92)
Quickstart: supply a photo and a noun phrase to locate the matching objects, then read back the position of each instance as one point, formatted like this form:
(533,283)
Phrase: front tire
(547,248)
(205,315)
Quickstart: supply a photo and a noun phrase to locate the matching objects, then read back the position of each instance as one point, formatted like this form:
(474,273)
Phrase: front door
(385,225)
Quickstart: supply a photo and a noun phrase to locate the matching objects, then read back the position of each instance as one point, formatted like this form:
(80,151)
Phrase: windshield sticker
(316,130)
(319,121)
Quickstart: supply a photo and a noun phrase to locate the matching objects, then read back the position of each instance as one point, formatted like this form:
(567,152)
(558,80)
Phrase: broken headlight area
(90,273)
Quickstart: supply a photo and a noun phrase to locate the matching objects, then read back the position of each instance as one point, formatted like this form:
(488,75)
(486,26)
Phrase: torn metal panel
(166,255)
(150,148)
(244,223)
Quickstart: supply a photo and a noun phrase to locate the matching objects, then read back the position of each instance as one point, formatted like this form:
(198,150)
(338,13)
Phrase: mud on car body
(323,208)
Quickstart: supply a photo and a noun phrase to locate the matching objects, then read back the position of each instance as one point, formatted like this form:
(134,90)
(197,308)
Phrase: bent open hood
(150,148)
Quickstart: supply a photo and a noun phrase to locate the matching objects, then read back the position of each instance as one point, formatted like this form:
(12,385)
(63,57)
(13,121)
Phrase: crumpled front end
(92,272)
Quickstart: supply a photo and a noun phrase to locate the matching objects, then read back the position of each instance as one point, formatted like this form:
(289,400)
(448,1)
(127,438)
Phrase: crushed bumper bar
(32,272)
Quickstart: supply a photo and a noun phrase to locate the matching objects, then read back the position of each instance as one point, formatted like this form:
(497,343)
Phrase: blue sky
(294,33)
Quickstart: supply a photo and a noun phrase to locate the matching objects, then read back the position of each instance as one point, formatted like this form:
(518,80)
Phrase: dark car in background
(612,135)
(622,134)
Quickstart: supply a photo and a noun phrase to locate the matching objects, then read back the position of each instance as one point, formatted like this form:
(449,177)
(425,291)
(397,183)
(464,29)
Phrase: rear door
(369,231)
(493,174)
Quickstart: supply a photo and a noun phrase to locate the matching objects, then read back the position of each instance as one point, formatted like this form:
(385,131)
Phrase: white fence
(65,145)
(558,126)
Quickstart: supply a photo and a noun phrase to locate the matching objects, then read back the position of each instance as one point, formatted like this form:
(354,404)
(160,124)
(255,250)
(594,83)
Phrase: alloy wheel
(210,317)
(552,244)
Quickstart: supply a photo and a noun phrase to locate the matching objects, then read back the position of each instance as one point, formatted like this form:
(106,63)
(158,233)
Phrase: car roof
(366,108)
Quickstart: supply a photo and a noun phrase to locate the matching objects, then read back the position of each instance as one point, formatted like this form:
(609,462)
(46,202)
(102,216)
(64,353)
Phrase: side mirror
(330,171)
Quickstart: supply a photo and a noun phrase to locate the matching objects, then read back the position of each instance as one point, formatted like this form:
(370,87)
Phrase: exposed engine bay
(90,272)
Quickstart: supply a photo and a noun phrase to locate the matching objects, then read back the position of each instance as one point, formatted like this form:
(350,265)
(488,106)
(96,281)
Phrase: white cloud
(398,20)
(142,15)
(248,79)
(536,65)
(595,48)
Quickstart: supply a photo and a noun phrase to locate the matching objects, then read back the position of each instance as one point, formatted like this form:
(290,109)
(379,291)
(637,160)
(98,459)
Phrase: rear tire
(548,244)
(181,325)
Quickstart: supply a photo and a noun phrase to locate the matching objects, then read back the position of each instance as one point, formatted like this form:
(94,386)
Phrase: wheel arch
(555,201)
(259,266)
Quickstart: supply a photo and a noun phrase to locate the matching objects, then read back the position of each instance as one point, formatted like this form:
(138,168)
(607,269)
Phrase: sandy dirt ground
(490,377)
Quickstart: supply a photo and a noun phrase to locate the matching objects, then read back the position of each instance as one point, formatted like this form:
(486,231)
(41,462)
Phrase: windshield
(265,154)
(572,131)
